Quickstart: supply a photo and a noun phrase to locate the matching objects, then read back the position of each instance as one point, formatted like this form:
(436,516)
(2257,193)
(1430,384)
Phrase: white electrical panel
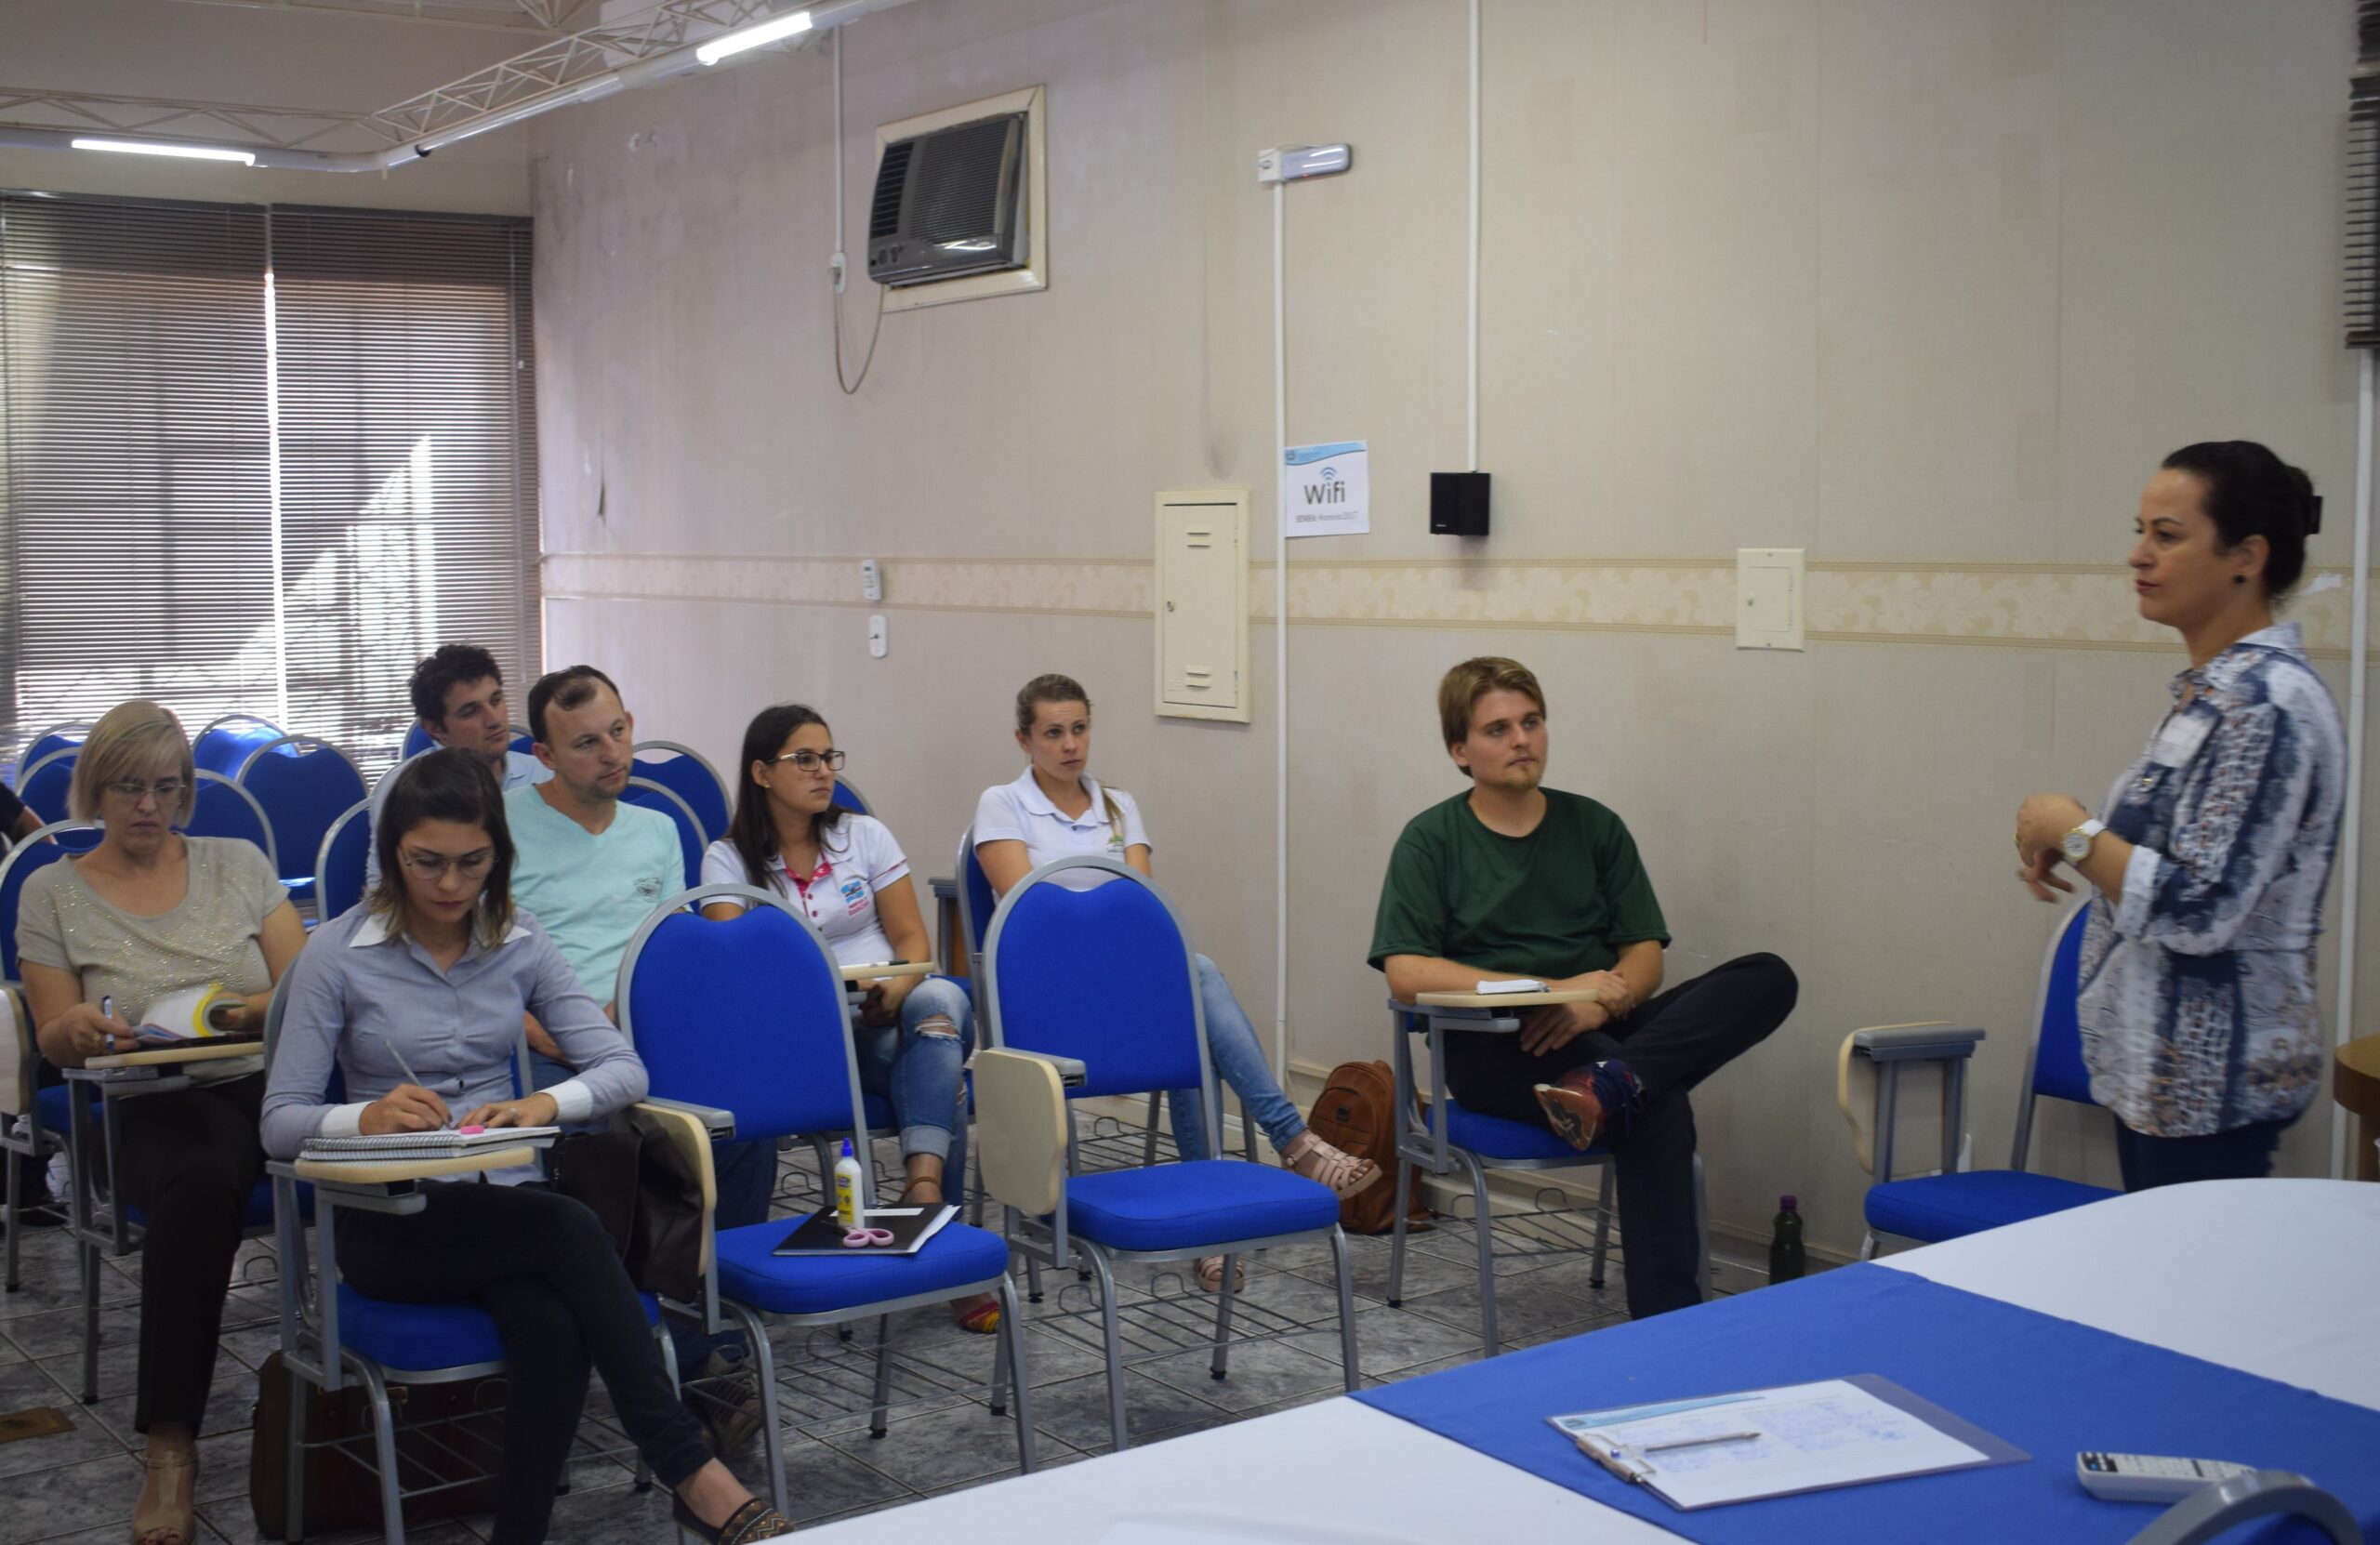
(1202,604)
(1769,598)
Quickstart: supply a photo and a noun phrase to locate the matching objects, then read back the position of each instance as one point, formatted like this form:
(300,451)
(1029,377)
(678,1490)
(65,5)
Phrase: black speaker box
(1458,504)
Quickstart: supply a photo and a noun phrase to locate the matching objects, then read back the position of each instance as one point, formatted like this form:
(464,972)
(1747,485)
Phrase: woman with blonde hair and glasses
(1055,809)
(101,938)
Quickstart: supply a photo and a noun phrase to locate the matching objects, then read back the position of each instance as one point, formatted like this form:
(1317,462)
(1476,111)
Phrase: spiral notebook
(428,1145)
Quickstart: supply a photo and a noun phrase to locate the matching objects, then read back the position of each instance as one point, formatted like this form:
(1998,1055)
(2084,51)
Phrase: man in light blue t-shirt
(590,870)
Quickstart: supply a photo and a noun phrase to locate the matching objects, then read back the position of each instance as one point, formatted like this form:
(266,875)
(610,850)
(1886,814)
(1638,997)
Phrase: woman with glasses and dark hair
(428,980)
(103,937)
(844,872)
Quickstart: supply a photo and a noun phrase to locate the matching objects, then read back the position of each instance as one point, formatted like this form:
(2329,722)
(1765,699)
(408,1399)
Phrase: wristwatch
(2076,844)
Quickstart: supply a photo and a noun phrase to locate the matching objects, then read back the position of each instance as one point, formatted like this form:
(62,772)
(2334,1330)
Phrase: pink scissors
(860,1239)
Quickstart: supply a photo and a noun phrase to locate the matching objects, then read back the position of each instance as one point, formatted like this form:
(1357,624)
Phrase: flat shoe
(755,1520)
(171,1520)
(1310,1156)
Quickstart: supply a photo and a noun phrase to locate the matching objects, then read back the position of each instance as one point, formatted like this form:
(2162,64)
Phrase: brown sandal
(754,1521)
(1210,1273)
(1309,1155)
(172,1519)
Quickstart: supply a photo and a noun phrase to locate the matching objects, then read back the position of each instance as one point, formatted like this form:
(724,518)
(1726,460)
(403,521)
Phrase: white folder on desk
(1756,1444)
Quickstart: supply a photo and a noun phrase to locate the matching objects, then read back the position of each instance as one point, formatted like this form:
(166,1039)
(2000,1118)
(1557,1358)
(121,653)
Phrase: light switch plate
(1769,598)
(876,640)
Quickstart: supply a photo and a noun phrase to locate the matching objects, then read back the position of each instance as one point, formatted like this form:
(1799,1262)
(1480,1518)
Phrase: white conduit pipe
(1471,355)
(2359,642)
(1280,649)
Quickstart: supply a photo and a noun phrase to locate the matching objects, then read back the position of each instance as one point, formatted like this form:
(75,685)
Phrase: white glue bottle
(847,1210)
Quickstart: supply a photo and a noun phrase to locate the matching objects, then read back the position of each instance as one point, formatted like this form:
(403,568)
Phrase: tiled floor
(78,1485)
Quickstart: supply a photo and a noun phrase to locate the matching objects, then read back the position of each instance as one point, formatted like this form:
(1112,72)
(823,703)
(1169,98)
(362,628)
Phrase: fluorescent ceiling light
(150,147)
(771,30)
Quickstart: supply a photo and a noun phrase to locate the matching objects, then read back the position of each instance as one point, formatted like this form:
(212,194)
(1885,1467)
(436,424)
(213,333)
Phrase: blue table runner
(2047,1385)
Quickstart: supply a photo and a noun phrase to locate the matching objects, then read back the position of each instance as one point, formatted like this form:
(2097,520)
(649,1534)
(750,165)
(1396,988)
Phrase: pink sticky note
(473,1130)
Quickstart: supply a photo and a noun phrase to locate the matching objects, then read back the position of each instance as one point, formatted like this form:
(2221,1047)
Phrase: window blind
(408,458)
(260,460)
(138,472)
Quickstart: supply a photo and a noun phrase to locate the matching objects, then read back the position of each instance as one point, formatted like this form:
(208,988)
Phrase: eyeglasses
(811,761)
(167,790)
(434,865)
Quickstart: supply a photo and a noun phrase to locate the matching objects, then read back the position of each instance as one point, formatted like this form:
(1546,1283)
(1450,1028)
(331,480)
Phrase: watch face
(2076,845)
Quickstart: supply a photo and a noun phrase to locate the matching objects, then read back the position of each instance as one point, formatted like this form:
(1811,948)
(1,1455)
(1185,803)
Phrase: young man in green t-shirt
(1515,881)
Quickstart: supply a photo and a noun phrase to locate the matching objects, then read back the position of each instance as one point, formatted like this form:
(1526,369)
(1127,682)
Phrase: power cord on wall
(873,333)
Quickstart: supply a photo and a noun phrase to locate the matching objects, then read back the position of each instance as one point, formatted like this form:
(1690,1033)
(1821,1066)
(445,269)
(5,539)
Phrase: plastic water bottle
(1785,1258)
(848,1211)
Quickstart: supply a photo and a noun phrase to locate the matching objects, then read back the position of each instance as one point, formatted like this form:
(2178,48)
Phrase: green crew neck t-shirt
(1562,900)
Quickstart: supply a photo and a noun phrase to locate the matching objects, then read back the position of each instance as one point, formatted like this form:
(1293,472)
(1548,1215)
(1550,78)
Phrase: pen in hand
(412,1077)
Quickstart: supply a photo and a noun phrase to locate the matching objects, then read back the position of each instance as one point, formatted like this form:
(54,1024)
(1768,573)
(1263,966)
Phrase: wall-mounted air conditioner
(950,203)
(960,208)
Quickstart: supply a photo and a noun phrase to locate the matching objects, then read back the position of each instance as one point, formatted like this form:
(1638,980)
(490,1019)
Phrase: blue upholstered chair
(340,862)
(418,741)
(1101,982)
(333,1335)
(648,795)
(683,771)
(302,785)
(850,798)
(33,1120)
(1925,1210)
(26,1129)
(225,745)
(58,737)
(223,809)
(44,786)
(1452,1139)
(745,1024)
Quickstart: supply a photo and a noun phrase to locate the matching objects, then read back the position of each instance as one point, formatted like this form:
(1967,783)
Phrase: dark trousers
(189,1160)
(545,1272)
(2235,1153)
(1672,1043)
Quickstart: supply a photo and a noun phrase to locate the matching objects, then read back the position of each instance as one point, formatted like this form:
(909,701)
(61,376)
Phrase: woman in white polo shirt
(847,873)
(1056,809)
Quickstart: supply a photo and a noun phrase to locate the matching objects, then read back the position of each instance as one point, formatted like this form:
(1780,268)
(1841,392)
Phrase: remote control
(2149,1477)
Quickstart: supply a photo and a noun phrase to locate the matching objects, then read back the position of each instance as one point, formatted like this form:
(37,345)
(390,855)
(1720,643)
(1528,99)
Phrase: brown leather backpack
(1356,1113)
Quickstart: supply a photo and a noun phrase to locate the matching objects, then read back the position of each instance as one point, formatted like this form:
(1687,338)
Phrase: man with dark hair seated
(1512,881)
(457,693)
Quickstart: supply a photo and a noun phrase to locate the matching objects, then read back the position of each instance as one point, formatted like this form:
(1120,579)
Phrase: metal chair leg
(882,1394)
(1032,1281)
(1114,1337)
(1348,1363)
(1219,1368)
(384,1439)
(295,1530)
(1012,1344)
(90,1254)
(1397,1232)
(764,1369)
(1484,1226)
(1602,1227)
(1702,1235)
(16,1219)
(1148,1140)
(1867,1246)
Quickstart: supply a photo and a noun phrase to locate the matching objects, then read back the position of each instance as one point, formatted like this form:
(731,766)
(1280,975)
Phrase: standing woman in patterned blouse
(2197,1006)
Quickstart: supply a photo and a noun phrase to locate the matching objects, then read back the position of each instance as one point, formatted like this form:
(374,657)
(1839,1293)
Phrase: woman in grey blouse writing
(430,979)
(2211,854)
(146,913)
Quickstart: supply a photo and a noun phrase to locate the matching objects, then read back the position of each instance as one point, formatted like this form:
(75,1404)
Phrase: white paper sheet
(1809,1437)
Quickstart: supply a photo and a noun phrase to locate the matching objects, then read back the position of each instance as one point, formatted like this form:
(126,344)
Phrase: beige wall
(347,65)
(1925,286)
